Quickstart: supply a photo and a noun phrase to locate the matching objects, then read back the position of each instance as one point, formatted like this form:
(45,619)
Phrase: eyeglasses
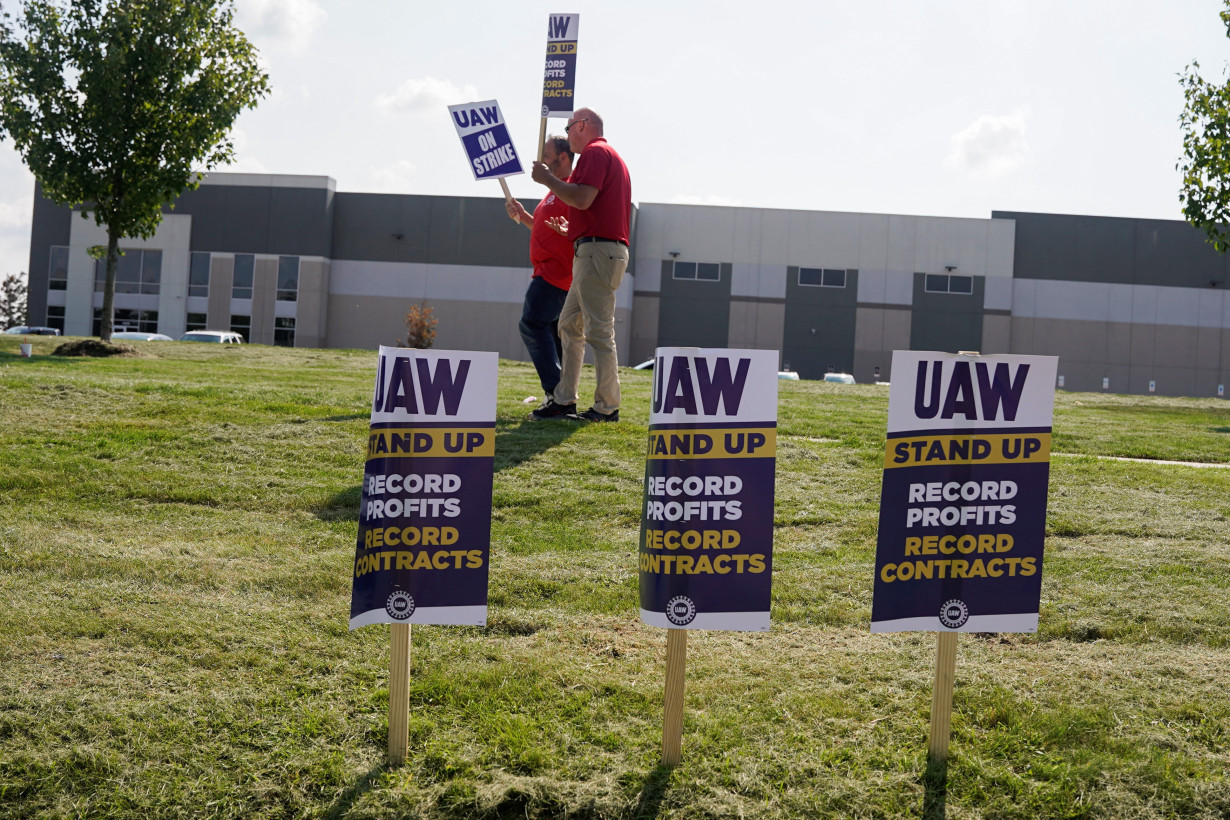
(568,127)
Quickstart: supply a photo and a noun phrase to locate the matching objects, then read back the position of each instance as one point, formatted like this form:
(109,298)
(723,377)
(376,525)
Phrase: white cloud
(397,177)
(991,145)
(291,23)
(16,206)
(265,66)
(710,199)
(244,162)
(245,165)
(426,94)
(15,212)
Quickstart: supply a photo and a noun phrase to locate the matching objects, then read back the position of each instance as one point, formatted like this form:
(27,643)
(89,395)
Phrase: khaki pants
(588,315)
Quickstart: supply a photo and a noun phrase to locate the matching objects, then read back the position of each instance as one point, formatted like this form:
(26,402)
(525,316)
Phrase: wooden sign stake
(399,691)
(672,722)
(542,139)
(941,695)
(507,193)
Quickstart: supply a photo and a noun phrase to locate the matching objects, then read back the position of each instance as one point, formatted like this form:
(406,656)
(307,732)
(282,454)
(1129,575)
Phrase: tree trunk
(108,305)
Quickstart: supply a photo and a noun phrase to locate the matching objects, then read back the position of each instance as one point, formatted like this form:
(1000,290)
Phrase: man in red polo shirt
(599,199)
(551,256)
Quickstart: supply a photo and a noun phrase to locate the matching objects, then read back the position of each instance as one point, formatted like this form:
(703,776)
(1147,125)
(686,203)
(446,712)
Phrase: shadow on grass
(653,792)
(1221,429)
(519,441)
(935,790)
(345,802)
(516,442)
(343,506)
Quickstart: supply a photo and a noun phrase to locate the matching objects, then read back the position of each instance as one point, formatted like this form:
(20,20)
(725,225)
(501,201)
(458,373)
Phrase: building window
(822,277)
(136,271)
(288,278)
(196,321)
(245,268)
(948,283)
(127,273)
(284,331)
(198,275)
(143,321)
(57,270)
(960,284)
(241,325)
(151,273)
(55,317)
(700,271)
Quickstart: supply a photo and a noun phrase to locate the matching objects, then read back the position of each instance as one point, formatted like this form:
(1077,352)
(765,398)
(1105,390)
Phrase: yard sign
(425,509)
(706,546)
(963,503)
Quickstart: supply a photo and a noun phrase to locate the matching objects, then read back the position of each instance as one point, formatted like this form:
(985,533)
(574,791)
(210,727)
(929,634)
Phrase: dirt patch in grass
(94,347)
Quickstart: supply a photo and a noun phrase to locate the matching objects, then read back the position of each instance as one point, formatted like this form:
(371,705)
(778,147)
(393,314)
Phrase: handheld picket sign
(706,543)
(425,509)
(485,139)
(559,77)
(963,503)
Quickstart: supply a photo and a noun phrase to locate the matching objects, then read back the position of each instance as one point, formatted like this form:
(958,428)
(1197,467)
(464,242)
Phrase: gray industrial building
(1128,305)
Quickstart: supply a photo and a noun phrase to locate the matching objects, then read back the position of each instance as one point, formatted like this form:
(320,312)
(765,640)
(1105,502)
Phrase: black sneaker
(593,415)
(552,410)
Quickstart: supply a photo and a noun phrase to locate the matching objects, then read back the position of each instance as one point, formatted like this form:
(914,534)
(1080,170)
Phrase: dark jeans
(540,329)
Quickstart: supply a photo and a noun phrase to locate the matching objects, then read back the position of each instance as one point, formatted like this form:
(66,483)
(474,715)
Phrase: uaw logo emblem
(400,605)
(954,614)
(680,610)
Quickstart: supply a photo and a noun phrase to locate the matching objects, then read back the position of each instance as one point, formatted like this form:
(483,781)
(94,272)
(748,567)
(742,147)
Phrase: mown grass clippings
(176,541)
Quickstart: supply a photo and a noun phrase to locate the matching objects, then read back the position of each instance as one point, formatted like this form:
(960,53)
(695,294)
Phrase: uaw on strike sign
(425,510)
(706,550)
(963,503)
(484,136)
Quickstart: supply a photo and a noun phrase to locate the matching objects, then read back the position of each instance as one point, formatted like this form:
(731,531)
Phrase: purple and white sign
(425,510)
(963,500)
(559,78)
(706,548)
(484,136)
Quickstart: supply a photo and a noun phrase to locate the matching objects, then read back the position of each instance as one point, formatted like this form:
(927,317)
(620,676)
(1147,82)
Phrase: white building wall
(173,237)
(762,243)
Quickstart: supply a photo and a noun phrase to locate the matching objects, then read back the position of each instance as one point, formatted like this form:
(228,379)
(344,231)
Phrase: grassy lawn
(176,540)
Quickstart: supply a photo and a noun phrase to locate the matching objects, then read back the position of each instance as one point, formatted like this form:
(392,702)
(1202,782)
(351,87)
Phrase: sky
(936,108)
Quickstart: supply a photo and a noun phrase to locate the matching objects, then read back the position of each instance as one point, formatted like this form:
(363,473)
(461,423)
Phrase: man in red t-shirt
(551,256)
(599,199)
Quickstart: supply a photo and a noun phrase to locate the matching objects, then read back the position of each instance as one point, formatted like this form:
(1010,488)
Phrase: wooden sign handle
(399,692)
(507,193)
(672,721)
(941,695)
(542,138)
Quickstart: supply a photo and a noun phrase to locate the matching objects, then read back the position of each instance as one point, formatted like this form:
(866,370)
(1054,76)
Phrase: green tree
(13,301)
(117,105)
(1205,165)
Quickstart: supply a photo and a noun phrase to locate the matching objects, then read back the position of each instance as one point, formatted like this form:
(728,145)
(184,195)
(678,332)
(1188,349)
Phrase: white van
(225,337)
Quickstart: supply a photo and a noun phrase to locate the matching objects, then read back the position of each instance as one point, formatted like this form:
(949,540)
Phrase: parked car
(33,330)
(135,336)
(839,378)
(225,337)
